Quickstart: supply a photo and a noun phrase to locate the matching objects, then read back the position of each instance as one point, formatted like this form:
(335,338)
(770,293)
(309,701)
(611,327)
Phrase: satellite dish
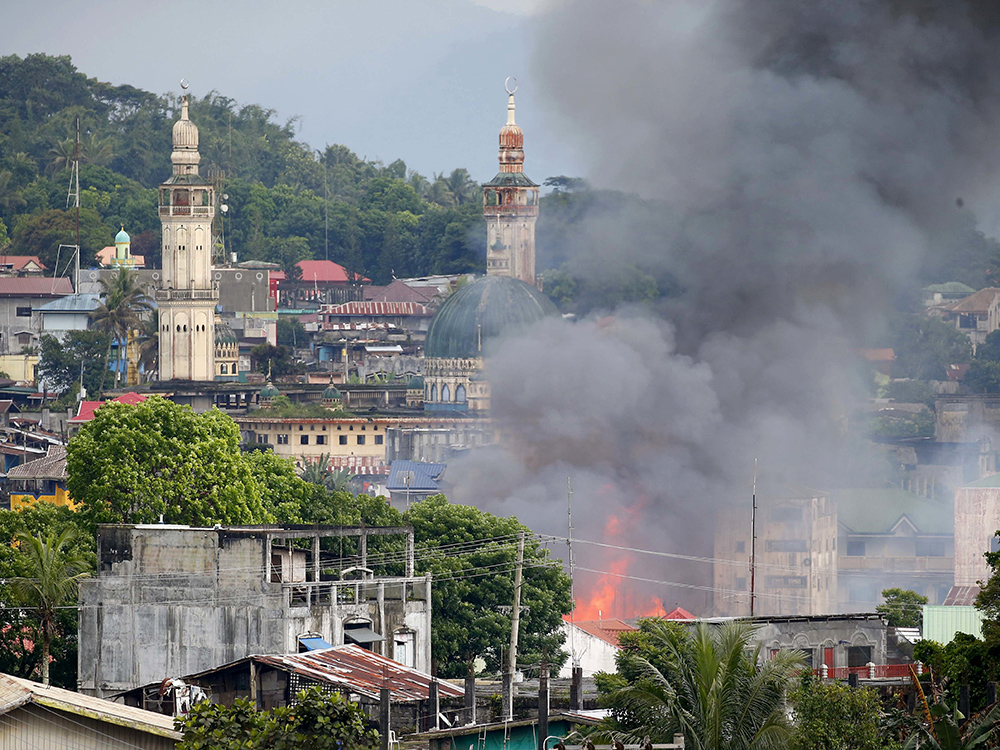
(223,208)
(225,196)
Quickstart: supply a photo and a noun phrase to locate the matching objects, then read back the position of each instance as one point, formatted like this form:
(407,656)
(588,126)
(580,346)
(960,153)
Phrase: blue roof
(122,236)
(83,303)
(414,475)
(314,644)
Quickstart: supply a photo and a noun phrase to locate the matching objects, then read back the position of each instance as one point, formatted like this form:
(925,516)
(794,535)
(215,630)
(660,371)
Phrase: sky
(420,81)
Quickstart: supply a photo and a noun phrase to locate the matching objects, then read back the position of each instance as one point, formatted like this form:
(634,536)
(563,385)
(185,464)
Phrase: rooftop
(608,629)
(877,511)
(51,466)
(975,303)
(35,286)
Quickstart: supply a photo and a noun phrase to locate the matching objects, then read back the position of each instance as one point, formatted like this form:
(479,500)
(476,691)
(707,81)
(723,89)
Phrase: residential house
(87,409)
(33,715)
(593,645)
(19,297)
(409,319)
(936,295)
(40,480)
(322,282)
(177,600)
(977,315)
(69,313)
(410,481)
(273,681)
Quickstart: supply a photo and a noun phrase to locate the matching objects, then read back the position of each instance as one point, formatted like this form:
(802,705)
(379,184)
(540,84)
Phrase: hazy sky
(421,81)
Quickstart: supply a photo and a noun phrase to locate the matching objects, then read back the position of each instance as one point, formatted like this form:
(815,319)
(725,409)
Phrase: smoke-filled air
(796,164)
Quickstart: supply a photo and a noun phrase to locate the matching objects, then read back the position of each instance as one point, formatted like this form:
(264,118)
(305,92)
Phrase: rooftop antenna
(572,570)
(753,535)
(74,196)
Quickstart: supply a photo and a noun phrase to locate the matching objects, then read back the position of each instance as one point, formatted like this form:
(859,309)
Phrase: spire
(185,156)
(511,136)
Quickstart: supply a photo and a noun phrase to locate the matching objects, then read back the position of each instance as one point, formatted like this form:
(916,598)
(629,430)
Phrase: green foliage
(925,346)
(920,424)
(988,600)
(283,407)
(468,622)
(708,683)
(833,716)
(966,660)
(134,464)
(291,333)
(41,234)
(983,376)
(315,720)
(582,294)
(60,363)
(275,361)
(49,570)
(949,733)
(902,608)
(20,627)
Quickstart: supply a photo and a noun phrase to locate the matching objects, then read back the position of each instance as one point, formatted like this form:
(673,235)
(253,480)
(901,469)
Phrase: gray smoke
(799,160)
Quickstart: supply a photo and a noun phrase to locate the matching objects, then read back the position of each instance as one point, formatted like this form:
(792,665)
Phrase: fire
(613,594)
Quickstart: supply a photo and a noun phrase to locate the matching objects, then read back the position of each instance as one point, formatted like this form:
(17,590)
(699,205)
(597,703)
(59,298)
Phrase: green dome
(224,334)
(269,391)
(416,383)
(488,308)
(122,236)
(330,392)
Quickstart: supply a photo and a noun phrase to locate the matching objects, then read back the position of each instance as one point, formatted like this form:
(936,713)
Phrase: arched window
(460,394)
(224,369)
(434,392)
(445,393)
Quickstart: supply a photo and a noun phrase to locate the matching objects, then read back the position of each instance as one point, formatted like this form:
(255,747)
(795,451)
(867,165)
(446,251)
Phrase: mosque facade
(187,296)
(505,301)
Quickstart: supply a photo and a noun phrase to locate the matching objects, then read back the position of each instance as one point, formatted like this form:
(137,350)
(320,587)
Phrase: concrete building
(977,315)
(796,571)
(187,294)
(39,716)
(177,600)
(69,313)
(510,205)
(20,296)
(888,538)
(977,518)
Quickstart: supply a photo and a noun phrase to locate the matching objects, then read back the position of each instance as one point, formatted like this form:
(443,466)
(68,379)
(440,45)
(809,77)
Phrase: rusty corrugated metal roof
(360,671)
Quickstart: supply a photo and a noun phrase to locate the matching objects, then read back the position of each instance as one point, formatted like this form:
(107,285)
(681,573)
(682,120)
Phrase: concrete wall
(977,519)
(814,635)
(594,654)
(173,601)
(40,728)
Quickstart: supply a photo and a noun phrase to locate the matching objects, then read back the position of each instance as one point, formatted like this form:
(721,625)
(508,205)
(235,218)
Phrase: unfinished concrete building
(176,600)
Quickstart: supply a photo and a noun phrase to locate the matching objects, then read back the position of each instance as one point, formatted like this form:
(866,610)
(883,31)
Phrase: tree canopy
(902,608)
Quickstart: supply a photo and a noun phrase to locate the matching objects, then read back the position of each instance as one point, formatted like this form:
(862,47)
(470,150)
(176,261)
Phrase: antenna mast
(753,535)
(572,571)
(74,194)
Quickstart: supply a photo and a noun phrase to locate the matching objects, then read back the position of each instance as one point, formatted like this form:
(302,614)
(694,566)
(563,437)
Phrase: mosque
(505,301)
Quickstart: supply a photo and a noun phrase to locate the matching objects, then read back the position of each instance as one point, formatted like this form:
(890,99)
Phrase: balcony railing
(868,672)
(185,210)
(186,294)
(331,593)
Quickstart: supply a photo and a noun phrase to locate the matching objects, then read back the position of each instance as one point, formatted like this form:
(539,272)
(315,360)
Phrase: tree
(20,627)
(471,587)
(925,346)
(315,720)
(947,733)
(124,303)
(965,660)
(902,608)
(831,716)
(61,364)
(141,463)
(49,577)
(708,683)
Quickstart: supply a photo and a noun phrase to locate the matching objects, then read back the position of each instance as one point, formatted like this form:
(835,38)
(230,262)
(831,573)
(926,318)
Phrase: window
(282,439)
(995,543)
(741,584)
(460,394)
(343,439)
(24,312)
(445,393)
(434,393)
(855,549)
(321,440)
(303,440)
(741,546)
(24,339)
(378,440)
(858,656)
(262,439)
(786,545)
(930,547)
(361,439)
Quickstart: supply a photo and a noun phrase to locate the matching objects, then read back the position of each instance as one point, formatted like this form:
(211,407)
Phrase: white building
(593,645)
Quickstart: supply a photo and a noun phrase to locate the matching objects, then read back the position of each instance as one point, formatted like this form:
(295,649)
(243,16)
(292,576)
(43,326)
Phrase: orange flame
(614,595)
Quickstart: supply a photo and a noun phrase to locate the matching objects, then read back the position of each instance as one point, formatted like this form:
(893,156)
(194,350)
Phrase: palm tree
(124,304)
(10,197)
(463,188)
(61,155)
(711,685)
(318,471)
(51,573)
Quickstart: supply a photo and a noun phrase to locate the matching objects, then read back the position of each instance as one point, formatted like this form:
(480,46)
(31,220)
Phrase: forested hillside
(382,219)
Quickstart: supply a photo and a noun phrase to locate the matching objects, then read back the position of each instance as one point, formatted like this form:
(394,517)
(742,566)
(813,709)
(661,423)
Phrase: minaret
(510,204)
(187,295)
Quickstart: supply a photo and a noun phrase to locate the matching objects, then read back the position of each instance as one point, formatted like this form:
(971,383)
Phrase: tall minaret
(510,204)
(187,295)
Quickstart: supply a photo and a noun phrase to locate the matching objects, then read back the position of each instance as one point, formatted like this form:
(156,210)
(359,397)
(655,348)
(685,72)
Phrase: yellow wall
(61,497)
(19,366)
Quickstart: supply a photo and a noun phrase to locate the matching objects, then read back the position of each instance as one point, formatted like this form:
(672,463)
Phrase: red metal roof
(35,286)
(324,271)
(361,671)
(18,262)
(679,613)
(87,408)
(399,291)
(607,630)
(375,309)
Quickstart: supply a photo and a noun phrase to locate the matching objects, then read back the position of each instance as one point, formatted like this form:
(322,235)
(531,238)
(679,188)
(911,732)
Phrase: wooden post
(470,695)
(435,706)
(576,690)
(515,619)
(543,702)
(964,701)
(383,717)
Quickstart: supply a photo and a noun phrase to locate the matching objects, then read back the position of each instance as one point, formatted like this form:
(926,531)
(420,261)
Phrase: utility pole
(753,536)
(515,621)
